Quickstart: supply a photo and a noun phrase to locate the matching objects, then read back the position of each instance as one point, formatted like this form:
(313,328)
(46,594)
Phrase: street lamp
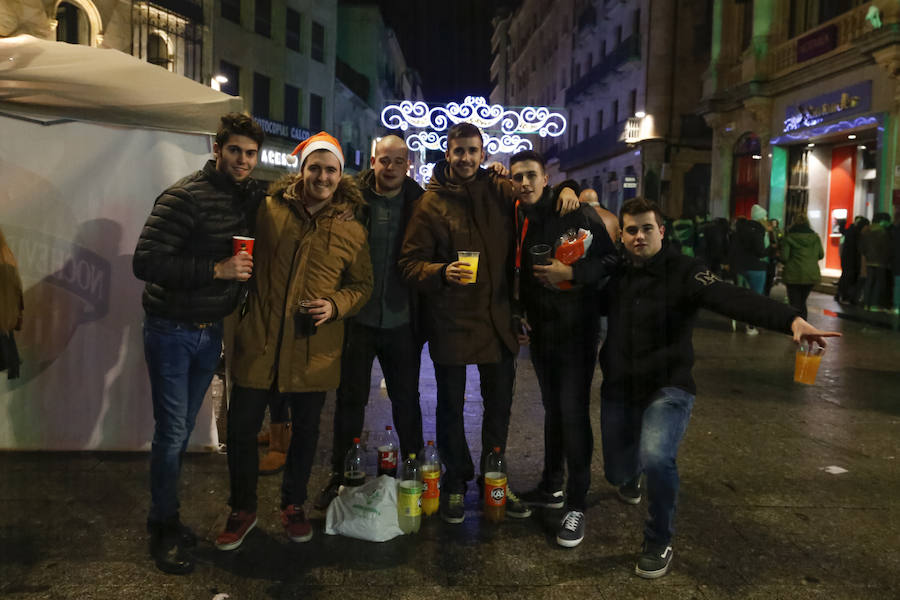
(217,81)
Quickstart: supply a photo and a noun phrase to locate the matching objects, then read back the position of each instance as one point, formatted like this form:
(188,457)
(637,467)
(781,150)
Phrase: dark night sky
(448,43)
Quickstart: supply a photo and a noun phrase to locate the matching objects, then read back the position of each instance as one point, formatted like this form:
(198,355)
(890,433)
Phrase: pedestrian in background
(748,253)
(851,261)
(12,308)
(801,251)
(874,243)
(895,259)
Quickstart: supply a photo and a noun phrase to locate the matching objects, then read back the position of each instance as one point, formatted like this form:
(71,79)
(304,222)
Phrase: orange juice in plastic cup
(806,362)
(471,258)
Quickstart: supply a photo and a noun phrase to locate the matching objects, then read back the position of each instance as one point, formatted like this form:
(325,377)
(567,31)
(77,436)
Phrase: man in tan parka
(312,270)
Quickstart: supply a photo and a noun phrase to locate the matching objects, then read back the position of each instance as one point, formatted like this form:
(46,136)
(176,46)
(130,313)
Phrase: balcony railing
(628,50)
(606,143)
(850,26)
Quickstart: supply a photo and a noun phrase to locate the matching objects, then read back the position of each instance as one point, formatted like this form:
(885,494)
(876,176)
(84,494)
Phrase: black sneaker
(515,508)
(630,492)
(654,560)
(541,497)
(452,510)
(329,492)
(571,529)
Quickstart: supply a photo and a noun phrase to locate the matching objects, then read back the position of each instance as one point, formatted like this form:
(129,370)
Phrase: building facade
(371,72)
(277,55)
(280,57)
(629,74)
(804,99)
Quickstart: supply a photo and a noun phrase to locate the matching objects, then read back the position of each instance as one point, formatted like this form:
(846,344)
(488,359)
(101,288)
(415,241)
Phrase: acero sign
(275,158)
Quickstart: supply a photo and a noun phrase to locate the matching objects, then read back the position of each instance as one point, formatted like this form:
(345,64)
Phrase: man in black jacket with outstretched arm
(648,391)
(185,255)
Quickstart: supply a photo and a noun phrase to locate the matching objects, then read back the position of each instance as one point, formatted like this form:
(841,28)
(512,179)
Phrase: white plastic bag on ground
(367,512)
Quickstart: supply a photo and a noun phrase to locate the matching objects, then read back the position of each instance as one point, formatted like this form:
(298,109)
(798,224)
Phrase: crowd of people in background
(755,253)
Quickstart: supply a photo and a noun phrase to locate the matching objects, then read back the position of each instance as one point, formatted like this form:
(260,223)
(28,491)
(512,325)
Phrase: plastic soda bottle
(388,452)
(409,496)
(355,465)
(495,486)
(431,478)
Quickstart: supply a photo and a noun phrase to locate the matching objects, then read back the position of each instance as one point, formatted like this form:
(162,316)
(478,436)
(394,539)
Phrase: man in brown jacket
(466,209)
(313,270)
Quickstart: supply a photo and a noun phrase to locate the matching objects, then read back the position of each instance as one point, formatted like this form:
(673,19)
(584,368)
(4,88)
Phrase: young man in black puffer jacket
(184,254)
(561,326)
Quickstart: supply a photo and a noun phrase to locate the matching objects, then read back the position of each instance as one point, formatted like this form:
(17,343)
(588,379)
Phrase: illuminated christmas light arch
(510,124)
(475,110)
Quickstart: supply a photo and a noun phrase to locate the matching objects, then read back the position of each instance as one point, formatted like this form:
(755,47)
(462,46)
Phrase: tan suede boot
(279,440)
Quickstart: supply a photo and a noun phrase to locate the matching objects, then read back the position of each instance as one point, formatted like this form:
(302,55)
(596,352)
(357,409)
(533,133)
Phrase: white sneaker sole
(569,543)
(628,499)
(301,539)
(651,574)
(238,542)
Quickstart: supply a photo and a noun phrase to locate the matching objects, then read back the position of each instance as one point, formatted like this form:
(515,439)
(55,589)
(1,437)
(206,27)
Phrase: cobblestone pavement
(760,515)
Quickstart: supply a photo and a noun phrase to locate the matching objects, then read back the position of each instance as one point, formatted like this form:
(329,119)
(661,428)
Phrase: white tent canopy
(58,80)
(88,139)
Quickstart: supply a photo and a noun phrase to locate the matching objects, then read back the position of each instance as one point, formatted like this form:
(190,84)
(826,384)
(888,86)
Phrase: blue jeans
(181,360)
(756,280)
(645,438)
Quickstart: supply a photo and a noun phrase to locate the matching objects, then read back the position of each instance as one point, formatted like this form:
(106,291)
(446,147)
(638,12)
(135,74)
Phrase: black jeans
(564,371)
(399,356)
(876,286)
(245,415)
(496,395)
(797,296)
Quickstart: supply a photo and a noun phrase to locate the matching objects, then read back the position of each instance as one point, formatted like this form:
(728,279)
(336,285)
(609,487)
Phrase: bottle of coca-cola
(388,452)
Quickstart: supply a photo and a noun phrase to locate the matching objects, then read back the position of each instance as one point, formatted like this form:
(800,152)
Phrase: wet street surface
(787,491)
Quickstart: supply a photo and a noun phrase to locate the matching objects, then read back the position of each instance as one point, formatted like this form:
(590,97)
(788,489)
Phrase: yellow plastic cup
(470,258)
(806,362)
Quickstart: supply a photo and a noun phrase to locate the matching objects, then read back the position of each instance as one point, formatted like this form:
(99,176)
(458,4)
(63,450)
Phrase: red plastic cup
(240,243)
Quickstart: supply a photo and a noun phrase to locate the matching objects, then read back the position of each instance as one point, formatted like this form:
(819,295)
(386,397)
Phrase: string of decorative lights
(508,123)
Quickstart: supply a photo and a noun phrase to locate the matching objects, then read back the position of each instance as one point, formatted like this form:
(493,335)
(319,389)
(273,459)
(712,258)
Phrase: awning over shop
(60,81)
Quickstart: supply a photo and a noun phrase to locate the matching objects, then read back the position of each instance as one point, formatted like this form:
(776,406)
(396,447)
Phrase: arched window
(158,50)
(73,26)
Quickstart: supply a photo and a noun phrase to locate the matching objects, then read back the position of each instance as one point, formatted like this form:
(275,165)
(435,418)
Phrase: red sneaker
(296,525)
(236,529)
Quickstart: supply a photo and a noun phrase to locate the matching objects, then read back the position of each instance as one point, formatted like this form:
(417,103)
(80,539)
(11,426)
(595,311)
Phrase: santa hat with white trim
(320,141)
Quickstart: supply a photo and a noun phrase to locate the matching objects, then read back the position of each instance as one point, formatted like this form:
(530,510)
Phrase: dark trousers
(644,438)
(245,415)
(876,286)
(564,372)
(848,284)
(496,395)
(797,296)
(399,356)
